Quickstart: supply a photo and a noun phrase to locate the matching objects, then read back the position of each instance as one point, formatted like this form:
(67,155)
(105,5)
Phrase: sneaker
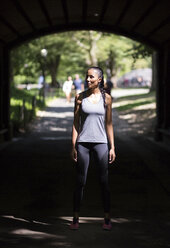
(75,224)
(107,224)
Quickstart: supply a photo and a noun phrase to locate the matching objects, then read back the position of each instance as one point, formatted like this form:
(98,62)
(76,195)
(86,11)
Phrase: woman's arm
(109,128)
(75,127)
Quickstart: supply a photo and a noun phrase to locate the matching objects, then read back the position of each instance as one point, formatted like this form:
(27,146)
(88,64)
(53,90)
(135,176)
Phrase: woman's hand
(112,156)
(74,154)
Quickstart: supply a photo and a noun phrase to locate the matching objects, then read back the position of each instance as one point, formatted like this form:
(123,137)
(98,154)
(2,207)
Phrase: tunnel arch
(80,27)
(147,22)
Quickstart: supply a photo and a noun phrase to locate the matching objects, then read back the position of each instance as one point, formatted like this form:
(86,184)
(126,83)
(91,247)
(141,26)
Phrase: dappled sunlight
(62,104)
(81,219)
(132,230)
(51,126)
(116,93)
(55,231)
(134,114)
(31,233)
(132,117)
(137,121)
(34,234)
(14,218)
(24,220)
(54,114)
(146,106)
(141,101)
(56,120)
(86,220)
(58,129)
(127,117)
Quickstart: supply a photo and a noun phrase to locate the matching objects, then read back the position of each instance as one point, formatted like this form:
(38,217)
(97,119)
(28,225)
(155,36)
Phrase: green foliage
(27,59)
(111,53)
(72,52)
(140,53)
(16,103)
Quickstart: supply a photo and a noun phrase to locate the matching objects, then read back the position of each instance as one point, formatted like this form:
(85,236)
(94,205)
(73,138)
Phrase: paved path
(37,181)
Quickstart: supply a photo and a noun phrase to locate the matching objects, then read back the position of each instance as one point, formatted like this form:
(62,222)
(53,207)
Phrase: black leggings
(100,152)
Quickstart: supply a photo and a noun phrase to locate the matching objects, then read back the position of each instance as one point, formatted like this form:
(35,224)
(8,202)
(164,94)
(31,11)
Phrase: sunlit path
(55,122)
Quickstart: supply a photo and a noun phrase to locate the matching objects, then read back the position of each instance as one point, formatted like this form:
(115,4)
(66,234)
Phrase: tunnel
(147,22)
(37,174)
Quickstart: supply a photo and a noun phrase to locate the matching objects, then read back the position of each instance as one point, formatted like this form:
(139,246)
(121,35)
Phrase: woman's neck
(94,91)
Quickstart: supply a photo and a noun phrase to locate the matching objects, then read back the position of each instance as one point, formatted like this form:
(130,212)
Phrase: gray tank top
(92,122)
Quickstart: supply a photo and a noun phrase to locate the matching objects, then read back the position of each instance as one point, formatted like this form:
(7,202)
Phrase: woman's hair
(101,85)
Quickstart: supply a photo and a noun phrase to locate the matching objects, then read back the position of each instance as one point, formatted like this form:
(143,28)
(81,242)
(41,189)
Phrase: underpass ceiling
(147,21)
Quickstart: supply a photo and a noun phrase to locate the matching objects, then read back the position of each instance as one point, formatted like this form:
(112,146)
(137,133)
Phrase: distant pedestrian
(92,130)
(78,84)
(40,81)
(67,88)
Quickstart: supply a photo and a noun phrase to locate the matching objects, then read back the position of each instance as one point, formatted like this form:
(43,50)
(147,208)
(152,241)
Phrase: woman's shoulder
(80,96)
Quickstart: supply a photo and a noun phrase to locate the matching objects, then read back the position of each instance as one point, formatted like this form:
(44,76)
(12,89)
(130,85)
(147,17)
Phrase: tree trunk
(92,53)
(111,64)
(53,73)
(93,48)
(53,69)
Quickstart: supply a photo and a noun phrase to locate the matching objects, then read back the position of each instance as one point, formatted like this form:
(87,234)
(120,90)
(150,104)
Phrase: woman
(92,129)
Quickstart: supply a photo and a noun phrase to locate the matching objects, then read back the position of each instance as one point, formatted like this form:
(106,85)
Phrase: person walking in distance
(67,88)
(92,131)
(78,84)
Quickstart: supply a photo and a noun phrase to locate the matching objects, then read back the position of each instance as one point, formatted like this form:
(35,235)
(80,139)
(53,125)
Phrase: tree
(87,41)
(30,54)
(73,52)
(142,52)
(56,46)
(111,55)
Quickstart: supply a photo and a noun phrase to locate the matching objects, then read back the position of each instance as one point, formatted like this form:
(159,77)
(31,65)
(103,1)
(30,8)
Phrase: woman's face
(93,79)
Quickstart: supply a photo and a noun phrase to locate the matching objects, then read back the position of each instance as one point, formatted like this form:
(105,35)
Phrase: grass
(16,103)
(20,95)
(130,102)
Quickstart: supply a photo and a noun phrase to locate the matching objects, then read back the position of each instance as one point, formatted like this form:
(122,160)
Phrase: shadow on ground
(37,181)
